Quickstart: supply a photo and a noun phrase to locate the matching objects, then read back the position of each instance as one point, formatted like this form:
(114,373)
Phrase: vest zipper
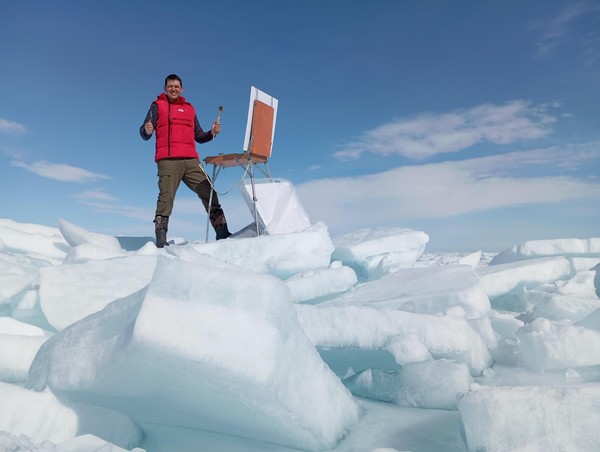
(169,132)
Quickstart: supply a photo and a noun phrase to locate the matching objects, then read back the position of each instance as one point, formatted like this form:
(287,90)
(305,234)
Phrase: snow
(296,341)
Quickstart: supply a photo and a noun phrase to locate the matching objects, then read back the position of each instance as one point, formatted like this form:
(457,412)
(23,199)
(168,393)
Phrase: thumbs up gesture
(149,128)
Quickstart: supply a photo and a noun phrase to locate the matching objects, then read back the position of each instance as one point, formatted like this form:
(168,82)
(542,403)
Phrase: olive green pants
(170,174)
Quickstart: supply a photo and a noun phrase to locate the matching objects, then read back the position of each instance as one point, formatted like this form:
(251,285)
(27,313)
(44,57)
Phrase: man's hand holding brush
(216,127)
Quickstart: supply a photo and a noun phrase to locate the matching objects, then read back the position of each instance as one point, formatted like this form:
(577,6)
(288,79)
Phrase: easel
(258,143)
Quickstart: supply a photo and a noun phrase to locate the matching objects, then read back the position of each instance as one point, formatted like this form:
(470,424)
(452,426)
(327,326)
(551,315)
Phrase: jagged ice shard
(197,351)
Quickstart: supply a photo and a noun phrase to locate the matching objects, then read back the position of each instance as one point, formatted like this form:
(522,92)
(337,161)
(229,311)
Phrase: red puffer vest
(175,129)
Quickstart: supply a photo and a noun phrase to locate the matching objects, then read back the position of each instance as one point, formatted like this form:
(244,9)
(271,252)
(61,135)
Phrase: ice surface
(502,419)
(375,252)
(17,275)
(309,249)
(40,242)
(408,348)
(19,343)
(592,321)
(473,260)
(431,290)
(544,248)
(325,282)
(505,324)
(554,306)
(42,416)
(72,291)
(581,285)
(238,360)
(428,384)
(579,264)
(354,330)
(82,443)
(88,443)
(571,299)
(547,345)
(498,280)
(86,244)
(201,346)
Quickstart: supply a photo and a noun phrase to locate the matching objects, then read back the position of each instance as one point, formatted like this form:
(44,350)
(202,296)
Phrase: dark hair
(173,77)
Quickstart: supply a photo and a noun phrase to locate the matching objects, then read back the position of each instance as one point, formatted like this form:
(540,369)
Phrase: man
(177,129)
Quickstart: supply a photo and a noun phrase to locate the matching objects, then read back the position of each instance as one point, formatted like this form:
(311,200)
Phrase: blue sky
(476,122)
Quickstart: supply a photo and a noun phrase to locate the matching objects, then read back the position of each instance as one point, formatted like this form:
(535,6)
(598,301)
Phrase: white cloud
(428,134)
(7,126)
(189,204)
(139,213)
(94,195)
(60,171)
(569,30)
(451,188)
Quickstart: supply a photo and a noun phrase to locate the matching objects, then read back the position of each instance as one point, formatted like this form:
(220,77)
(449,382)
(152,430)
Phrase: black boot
(222,232)
(219,223)
(161,225)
